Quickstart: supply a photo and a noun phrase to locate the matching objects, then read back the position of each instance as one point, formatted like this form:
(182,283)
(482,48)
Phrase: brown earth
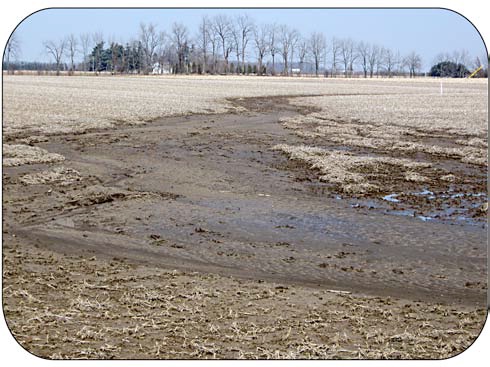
(87,264)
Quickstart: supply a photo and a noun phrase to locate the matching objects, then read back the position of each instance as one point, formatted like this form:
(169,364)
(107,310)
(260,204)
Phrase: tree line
(233,45)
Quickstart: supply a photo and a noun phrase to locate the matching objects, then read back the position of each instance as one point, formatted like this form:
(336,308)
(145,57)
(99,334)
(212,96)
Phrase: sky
(429,32)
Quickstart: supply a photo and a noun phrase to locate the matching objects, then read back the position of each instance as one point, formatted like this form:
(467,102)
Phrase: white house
(161,69)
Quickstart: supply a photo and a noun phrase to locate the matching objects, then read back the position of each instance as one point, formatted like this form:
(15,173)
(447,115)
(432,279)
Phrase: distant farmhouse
(161,69)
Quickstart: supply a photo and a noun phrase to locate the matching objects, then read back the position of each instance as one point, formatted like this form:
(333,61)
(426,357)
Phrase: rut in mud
(207,193)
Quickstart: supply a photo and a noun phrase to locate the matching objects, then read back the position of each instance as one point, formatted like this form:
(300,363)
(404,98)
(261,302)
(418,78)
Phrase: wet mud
(206,193)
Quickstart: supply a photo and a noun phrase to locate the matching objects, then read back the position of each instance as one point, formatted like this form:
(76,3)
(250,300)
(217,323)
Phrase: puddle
(256,220)
(430,195)
(424,192)
(391,198)
(462,195)
(427,205)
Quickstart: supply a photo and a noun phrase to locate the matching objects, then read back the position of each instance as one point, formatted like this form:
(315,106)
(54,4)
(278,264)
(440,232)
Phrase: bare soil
(88,264)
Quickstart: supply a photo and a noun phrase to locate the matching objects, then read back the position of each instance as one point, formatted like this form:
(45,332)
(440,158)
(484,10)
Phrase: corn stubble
(411,125)
(61,306)
(66,307)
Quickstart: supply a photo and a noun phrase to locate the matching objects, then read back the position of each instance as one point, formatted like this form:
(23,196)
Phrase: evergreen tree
(449,69)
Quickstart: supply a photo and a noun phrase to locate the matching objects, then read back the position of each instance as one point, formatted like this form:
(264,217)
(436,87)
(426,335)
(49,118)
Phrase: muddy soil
(206,193)
(88,258)
(75,307)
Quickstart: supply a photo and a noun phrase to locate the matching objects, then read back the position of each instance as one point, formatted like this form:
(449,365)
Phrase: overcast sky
(426,31)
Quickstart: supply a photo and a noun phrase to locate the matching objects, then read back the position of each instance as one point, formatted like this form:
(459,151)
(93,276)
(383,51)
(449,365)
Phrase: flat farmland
(244,217)
(81,103)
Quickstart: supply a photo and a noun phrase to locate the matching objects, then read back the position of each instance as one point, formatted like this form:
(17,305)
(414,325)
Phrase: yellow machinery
(476,71)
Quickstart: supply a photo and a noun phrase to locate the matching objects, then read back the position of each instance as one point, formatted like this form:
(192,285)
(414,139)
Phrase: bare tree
(11,50)
(167,53)
(373,57)
(364,50)
(480,62)
(213,39)
(461,57)
(56,50)
(335,50)
(476,63)
(288,38)
(245,26)
(203,40)
(413,62)
(85,44)
(441,57)
(180,40)
(222,28)
(456,57)
(150,38)
(192,58)
(273,45)
(485,58)
(302,52)
(294,46)
(72,45)
(391,61)
(164,51)
(380,61)
(348,55)
(235,34)
(399,64)
(220,36)
(318,45)
(261,34)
